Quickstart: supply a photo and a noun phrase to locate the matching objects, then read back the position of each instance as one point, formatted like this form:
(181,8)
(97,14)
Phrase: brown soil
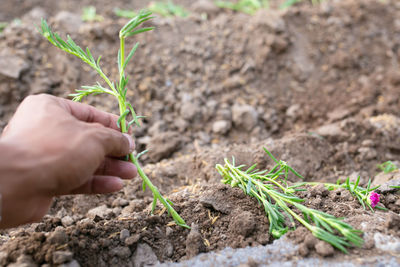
(318,86)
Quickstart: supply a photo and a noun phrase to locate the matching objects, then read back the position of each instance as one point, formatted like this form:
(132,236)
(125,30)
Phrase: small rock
(169,250)
(324,249)
(393,222)
(101,211)
(144,256)
(124,235)
(332,131)
(234,82)
(216,204)
(303,250)
(60,257)
(120,202)
(244,223)
(121,252)
(11,66)
(168,231)
(383,178)
(194,242)
(387,187)
(67,221)
(338,114)
(129,241)
(245,117)
(190,111)
(59,236)
(221,127)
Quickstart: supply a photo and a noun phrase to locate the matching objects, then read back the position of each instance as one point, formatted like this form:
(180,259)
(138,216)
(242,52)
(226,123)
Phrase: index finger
(87,113)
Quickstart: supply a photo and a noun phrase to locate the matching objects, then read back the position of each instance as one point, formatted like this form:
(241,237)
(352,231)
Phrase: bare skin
(53,147)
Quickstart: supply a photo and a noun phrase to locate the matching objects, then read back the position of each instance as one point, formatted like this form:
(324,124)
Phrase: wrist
(18,185)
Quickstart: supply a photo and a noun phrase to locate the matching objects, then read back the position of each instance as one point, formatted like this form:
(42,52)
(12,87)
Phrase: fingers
(115,167)
(87,113)
(114,143)
(100,185)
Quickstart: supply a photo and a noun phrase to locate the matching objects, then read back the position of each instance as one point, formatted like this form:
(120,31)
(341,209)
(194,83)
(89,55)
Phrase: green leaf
(270,155)
(131,53)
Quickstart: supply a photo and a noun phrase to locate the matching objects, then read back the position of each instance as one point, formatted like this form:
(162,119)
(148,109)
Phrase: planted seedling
(117,89)
(245,6)
(168,9)
(3,25)
(89,14)
(387,167)
(125,13)
(280,203)
(289,3)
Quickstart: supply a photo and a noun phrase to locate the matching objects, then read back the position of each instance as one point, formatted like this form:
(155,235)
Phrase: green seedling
(289,3)
(281,205)
(89,14)
(168,9)
(3,25)
(387,167)
(125,13)
(117,89)
(246,6)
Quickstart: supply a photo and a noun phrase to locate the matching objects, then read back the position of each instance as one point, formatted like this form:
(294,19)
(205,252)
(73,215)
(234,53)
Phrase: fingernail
(131,142)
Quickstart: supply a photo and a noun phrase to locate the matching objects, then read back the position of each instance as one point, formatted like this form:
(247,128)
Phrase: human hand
(54,146)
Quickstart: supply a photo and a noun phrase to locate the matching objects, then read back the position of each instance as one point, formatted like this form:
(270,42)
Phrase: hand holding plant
(35,147)
(116,89)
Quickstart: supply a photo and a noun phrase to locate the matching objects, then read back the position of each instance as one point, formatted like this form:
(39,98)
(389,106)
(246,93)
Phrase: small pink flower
(373,198)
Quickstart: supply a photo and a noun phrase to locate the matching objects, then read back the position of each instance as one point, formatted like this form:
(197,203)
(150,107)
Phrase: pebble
(324,249)
(245,117)
(67,221)
(221,127)
(169,231)
(121,252)
(194,242)
(189,111)
(59,236)
(332,131)
(124,235)
(60,257)
(101,211)
(120,202)
(144,256)
(129,241)
(11,66)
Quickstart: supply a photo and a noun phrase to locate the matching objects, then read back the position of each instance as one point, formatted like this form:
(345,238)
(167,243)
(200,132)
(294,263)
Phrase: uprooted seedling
(278,198)
(116,89)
